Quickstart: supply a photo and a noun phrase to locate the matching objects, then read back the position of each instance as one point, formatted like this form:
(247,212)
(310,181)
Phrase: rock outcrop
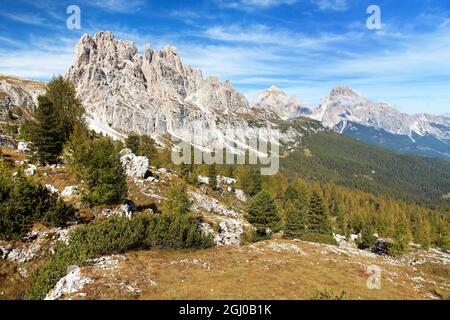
(17,92)
(149,94)
(136,167)
(72,283)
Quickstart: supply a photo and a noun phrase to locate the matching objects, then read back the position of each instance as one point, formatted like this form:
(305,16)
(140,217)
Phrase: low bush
(24,202)
(318,238)
(328,295)
(116,235)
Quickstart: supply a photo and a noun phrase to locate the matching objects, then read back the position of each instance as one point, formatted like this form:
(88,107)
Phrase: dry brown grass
(13,155)
(254,272)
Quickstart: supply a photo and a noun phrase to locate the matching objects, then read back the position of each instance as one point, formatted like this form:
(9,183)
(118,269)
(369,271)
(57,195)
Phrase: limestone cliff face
(18,92)
(149,94)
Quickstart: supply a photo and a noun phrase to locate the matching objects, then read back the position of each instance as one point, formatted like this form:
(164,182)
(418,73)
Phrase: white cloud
(30,19)
(129,6)
(332,5)
(47,57)
(264,35)
(254,4)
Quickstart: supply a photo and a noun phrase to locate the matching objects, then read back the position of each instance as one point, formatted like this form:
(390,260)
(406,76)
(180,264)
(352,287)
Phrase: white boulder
(226,180)
(125,210)
(73,282)
(229,233)
(134,166)
(240,195)
(203,179)
(22,146)
(31,170)
(51,188)
(70,191)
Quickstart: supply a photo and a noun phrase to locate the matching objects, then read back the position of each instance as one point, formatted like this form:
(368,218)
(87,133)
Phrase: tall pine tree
(46,131)
(402,237)
(177,202)
(61,92)
(103,173)
(58,113)
(296,219)
(263,213)
(212,176)
(318,220)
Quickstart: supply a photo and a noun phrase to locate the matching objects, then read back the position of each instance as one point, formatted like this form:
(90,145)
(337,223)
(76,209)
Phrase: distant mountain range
(350,113)
(156,93)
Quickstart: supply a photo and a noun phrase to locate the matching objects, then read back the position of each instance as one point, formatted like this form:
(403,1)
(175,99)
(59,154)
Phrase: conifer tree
(296,219)
(292,193)
(177,201)
(318,220)
(212,176)
(263,213)
(77,144)
(251,182)
(103,173)
(367,235)
(402,237)
(61,92)
(341,221)
(441,234)
(132,142)
(46,132)
(423,233)
(58,113)
(148,149)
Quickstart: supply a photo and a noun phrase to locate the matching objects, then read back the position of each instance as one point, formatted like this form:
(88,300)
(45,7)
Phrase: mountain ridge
(349,112)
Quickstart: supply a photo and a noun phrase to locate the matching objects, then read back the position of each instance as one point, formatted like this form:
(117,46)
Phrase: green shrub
(258,235)
(45,278)
(367,236)
(132,142)
(177,202)
(24,202)
(318,238)
(176,232)
(109,236)
(116,235)
(105,177)
(328,295)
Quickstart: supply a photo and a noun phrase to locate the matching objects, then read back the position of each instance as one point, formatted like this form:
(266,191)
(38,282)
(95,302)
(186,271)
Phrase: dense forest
(330,157)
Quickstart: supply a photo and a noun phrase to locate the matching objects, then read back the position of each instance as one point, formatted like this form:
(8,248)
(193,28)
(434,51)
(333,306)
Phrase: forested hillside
(330,157)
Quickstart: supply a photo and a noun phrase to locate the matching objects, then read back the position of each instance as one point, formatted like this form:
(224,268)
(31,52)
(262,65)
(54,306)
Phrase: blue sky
(305,47)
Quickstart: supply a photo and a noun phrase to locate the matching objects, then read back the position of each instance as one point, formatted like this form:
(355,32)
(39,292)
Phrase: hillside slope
(330,157)
(268,270)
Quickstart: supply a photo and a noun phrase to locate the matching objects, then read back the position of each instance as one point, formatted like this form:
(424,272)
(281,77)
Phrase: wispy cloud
(9,42)
(254,4)
(30,19)
(332,5)
(129,6)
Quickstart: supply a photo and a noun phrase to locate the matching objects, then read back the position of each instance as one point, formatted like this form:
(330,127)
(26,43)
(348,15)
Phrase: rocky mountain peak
(344,106)
(277,101)
(147,94)
(344,91)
